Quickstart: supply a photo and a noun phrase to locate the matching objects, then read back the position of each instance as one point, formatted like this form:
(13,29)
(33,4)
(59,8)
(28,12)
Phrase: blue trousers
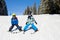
(32,26)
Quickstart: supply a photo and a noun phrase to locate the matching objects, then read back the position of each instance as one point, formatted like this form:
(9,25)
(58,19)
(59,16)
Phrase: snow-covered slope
(48,25)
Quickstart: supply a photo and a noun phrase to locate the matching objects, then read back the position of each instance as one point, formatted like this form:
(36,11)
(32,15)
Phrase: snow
(48,25)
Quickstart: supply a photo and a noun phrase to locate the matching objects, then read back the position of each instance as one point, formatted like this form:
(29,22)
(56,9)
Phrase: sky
(18,6)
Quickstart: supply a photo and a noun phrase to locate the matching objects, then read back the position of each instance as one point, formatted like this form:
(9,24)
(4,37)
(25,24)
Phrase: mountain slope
(48,25)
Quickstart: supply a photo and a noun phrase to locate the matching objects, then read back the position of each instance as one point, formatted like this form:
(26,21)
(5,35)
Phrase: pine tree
(34,9)
(39,10)
(27,10)
(3,8)
(49,7)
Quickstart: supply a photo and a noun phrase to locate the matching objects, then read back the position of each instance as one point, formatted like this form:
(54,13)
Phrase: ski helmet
(13,14)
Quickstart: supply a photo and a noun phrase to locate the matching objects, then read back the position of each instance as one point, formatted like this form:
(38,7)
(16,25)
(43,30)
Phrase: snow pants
(10,29)
(32,26)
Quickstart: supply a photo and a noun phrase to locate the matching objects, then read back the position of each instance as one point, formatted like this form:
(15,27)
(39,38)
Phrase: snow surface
(48,25)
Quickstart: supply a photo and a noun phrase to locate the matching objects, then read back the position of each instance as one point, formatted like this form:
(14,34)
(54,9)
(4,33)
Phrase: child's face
(14,16)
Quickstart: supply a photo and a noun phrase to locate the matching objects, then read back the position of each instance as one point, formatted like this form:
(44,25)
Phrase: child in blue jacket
(14,22)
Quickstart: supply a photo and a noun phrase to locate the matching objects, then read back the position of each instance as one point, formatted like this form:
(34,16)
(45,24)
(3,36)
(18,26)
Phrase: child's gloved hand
(35,22)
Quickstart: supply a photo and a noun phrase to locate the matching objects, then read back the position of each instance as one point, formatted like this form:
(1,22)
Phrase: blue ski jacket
(14,21)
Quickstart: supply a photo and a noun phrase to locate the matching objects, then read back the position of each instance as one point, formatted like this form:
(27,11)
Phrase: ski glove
(35,22)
